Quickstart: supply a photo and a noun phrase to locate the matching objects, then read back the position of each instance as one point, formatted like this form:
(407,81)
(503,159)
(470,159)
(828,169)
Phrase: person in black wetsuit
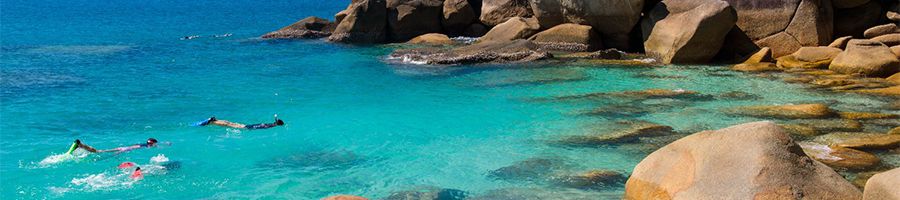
(225,123)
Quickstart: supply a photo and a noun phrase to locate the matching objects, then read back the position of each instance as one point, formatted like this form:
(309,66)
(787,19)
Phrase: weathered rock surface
(801,111)
(809,57)
(894,131)
(840,157)
(483,52)
(896,50)
(892,39)
(858,140)
(769,165)
(307,28)
(494,12)
(686,34)
(364,21)
(410,18)
(431,39)
(458,15)
(883,186)
(867,115)
(612,19)
(568,37)
(763,55)
(893,16)
(513,29)
(881,30)
(868,58)
(841,42)
(785,25)
(888,91)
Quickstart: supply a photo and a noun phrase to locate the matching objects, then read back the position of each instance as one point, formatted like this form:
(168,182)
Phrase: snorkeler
(218,122)
(151,142)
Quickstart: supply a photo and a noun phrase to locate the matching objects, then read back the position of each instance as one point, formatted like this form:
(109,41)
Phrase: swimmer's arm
(228,124)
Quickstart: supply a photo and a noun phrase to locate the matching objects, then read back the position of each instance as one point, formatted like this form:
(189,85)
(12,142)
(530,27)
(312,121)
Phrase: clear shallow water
(115,73)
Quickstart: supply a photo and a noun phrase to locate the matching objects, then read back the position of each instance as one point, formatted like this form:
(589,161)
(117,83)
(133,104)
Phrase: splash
(104,181)
(159,158)
(55,159)
(407,59)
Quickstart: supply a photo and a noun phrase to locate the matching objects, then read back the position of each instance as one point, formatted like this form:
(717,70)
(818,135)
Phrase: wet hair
(151,140)
(279,122)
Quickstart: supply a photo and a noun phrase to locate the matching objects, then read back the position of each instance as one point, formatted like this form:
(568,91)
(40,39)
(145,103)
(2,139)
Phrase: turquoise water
(114,73)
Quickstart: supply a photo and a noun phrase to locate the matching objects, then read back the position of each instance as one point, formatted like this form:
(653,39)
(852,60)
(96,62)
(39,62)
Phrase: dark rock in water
(364,21)
(738,95)
(632,132)
(483,52)
(802,111)
(594,179)
(614,54)
(315,161)
(534,169)
(813,127)
(428,193)
(307,28)
(172,165)
(543,194)
(636,108)
(641,94)
(410,18)
(859,140)
(839,157)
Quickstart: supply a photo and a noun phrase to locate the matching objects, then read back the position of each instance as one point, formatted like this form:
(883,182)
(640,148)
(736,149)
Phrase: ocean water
(113,73)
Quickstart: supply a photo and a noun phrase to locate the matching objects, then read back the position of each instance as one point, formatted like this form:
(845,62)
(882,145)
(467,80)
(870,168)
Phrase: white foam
(646,60)
(406,59)
(103,181)
(159,158)
(61,158)
(464,40)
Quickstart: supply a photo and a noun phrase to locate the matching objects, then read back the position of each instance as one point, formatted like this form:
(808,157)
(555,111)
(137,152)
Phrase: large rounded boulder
(809,57)
(513,29)
(867,58)
(613,19)
(569,37)
(494,12)
(364,21)
(688,31)
(410,18)
(883,186)
(785,25)
(749,161)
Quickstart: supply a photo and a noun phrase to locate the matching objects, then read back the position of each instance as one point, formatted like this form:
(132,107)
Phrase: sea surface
(114,73)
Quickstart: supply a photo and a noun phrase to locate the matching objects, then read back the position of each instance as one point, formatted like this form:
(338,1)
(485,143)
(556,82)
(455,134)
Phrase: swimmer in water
(225,123)
(151,142)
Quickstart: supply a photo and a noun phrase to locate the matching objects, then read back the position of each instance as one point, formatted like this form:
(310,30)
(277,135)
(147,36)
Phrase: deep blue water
(114,73)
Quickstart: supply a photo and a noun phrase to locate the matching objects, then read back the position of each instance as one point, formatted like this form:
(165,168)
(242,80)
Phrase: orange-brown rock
(801,111)
(859,140)
(840,157)
(883,186)
(344,197)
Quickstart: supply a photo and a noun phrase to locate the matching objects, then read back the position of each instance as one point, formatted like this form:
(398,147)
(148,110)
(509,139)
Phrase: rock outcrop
(307,28)
(364,21)
(892,39)
(494,12)
(865,57)
(785,25)
(612,19)
(883,186)
(410,18)
(769,165)
(854,21)
(881,30)
(513,29)
(840,42)
(458,15)
(688,31)
(568,37)
(809,58)
(840,157)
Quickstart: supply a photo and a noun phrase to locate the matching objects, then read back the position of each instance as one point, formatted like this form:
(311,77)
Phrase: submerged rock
(840,157)
(594,179)
(428,193)
(867,115)
(801,111)
(738,95)
(307,28)
(821,126)
(768,165)
(858,140)
(534,169)
(314,161)
(888,91)
(883,186)
(483,52)
(344,197)
(632,132)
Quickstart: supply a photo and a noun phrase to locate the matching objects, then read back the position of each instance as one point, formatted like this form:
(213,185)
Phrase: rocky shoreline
(807,151)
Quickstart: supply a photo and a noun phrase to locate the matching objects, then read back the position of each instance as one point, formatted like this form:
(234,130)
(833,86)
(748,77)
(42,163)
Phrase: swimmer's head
(279,122)
(151,141)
